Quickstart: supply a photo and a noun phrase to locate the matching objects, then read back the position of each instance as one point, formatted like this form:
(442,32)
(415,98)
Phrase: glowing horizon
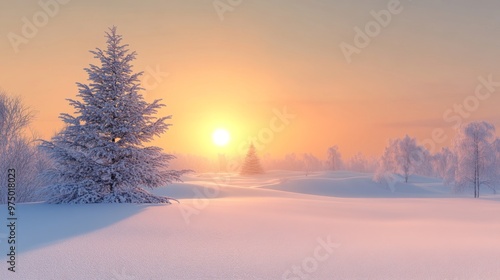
(418,75)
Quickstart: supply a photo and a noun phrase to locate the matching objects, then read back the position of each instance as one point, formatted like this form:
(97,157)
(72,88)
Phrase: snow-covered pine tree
(100,155)
(251,165)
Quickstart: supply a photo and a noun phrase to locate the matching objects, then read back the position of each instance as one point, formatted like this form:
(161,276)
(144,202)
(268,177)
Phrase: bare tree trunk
(478,179)
(476,170)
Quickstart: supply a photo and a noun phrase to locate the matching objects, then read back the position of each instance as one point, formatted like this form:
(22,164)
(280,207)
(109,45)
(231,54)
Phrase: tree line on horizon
(101,153)
(471,163)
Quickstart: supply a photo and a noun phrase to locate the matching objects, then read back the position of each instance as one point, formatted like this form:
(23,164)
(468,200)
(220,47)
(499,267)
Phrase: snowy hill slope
(350,184)
(243,231)
(337,184)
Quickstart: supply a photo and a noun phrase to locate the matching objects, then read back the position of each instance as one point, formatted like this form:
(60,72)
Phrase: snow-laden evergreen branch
(100,155)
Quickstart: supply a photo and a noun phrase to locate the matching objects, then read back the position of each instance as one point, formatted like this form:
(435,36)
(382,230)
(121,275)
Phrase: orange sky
(265,56)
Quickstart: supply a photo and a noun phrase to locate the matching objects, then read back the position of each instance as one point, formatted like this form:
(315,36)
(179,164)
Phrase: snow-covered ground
(281,225)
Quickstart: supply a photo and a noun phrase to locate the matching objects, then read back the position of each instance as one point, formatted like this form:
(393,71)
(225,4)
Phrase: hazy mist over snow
(262,227)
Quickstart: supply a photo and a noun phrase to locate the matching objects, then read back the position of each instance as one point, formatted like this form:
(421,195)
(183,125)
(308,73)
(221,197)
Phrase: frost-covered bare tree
(334,158)
(443,163)
(496,182)
(401,156)
(476,157)
(357,163)
(361,163)
(290,161)
(311,163)
(423,164)
(100,155)
(14,118)
(17,150)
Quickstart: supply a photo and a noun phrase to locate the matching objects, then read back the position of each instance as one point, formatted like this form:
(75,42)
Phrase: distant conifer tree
(251,165)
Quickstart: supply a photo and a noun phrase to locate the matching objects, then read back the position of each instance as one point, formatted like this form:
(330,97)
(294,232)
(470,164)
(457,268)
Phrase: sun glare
(220,137)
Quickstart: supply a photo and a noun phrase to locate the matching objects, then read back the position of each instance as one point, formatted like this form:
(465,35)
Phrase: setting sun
(220,137)
(322,139)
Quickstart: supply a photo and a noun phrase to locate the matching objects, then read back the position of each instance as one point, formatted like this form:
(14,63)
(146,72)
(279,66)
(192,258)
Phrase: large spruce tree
(100,155)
